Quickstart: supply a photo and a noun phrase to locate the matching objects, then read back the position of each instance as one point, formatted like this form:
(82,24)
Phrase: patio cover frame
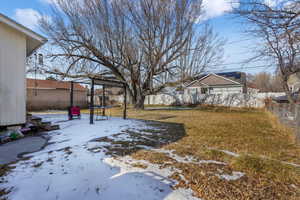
(103,82)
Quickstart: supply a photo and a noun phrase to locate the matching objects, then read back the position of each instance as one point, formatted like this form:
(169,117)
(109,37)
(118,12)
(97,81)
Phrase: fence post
(269,107)
(290,110)
(295,112)
(285,111)
(281,111)
(297,106)
(277,110)
(272,107)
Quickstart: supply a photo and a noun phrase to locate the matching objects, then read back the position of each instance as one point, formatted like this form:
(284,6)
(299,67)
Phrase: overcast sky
(237,49)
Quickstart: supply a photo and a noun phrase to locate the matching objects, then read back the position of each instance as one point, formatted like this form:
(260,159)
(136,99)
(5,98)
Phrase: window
(204,90)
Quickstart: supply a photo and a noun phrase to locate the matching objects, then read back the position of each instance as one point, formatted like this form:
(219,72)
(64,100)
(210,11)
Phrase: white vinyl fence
(255,100)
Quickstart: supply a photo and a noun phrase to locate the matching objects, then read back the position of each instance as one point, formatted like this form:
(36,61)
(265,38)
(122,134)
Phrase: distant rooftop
(52,84)
(235,76)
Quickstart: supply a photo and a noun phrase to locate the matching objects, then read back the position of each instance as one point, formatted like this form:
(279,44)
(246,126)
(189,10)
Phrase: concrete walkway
(9,152)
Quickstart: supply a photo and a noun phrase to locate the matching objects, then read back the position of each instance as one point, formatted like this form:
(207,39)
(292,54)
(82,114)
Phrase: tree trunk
(139,102)
(288,93)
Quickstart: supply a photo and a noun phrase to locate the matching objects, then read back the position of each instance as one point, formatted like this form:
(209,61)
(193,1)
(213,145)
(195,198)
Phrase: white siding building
(16,43)
(294,82)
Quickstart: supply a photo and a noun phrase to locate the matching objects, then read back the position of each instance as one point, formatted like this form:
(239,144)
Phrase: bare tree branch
(278,26)
(148,44)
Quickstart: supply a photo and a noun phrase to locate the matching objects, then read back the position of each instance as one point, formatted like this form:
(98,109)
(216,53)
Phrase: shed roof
(53,84)
(33,39)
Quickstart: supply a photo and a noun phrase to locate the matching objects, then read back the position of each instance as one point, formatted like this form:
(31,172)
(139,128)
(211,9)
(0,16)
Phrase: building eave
(33,39)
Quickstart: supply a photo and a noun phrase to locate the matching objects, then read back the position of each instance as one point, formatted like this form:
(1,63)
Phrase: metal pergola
(102,82)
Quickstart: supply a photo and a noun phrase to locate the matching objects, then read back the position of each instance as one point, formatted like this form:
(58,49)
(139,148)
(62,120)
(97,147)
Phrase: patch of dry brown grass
(153,157)
(4,170)
(203,180)
(244,131)
(3,192)
(274,170)
(139,165)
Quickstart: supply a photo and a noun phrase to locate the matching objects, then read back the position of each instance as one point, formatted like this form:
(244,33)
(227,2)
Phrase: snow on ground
(190,159)
(233,177)
(66,169)
(187,159)
(152,170)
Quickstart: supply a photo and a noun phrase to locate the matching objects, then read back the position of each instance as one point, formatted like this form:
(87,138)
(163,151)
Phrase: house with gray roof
(218,83)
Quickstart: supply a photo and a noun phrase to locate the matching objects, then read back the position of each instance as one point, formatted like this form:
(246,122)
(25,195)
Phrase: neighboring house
(294,86)
(220,83)
(252,88)
(16,43)
(52,94)
(294,82)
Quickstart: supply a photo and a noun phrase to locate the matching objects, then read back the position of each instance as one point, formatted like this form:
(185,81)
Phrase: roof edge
(214,74)
(28,32)
(226,78)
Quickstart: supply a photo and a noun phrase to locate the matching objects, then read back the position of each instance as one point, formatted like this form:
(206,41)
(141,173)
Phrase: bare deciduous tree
(148,44)
(277,24)
(266,82)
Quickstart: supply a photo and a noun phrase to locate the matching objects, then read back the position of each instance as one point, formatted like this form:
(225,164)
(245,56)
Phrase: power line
(238,41)
(233,63)
(241,68)
(243,63)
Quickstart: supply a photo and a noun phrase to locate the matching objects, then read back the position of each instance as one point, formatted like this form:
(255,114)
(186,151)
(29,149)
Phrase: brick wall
(47,99)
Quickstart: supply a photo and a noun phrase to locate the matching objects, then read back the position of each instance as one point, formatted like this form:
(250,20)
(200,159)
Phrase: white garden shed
(16,43)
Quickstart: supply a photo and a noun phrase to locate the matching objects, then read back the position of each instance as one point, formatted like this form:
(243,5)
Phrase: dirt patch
(157,134)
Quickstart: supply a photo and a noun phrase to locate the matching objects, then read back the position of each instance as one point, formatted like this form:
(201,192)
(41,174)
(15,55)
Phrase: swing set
(74,111)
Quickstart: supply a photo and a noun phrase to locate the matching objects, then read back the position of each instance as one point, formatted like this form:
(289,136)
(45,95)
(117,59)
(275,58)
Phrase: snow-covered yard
(84,161)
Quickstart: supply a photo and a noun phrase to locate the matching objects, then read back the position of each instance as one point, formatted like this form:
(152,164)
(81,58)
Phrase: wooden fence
(289,114)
